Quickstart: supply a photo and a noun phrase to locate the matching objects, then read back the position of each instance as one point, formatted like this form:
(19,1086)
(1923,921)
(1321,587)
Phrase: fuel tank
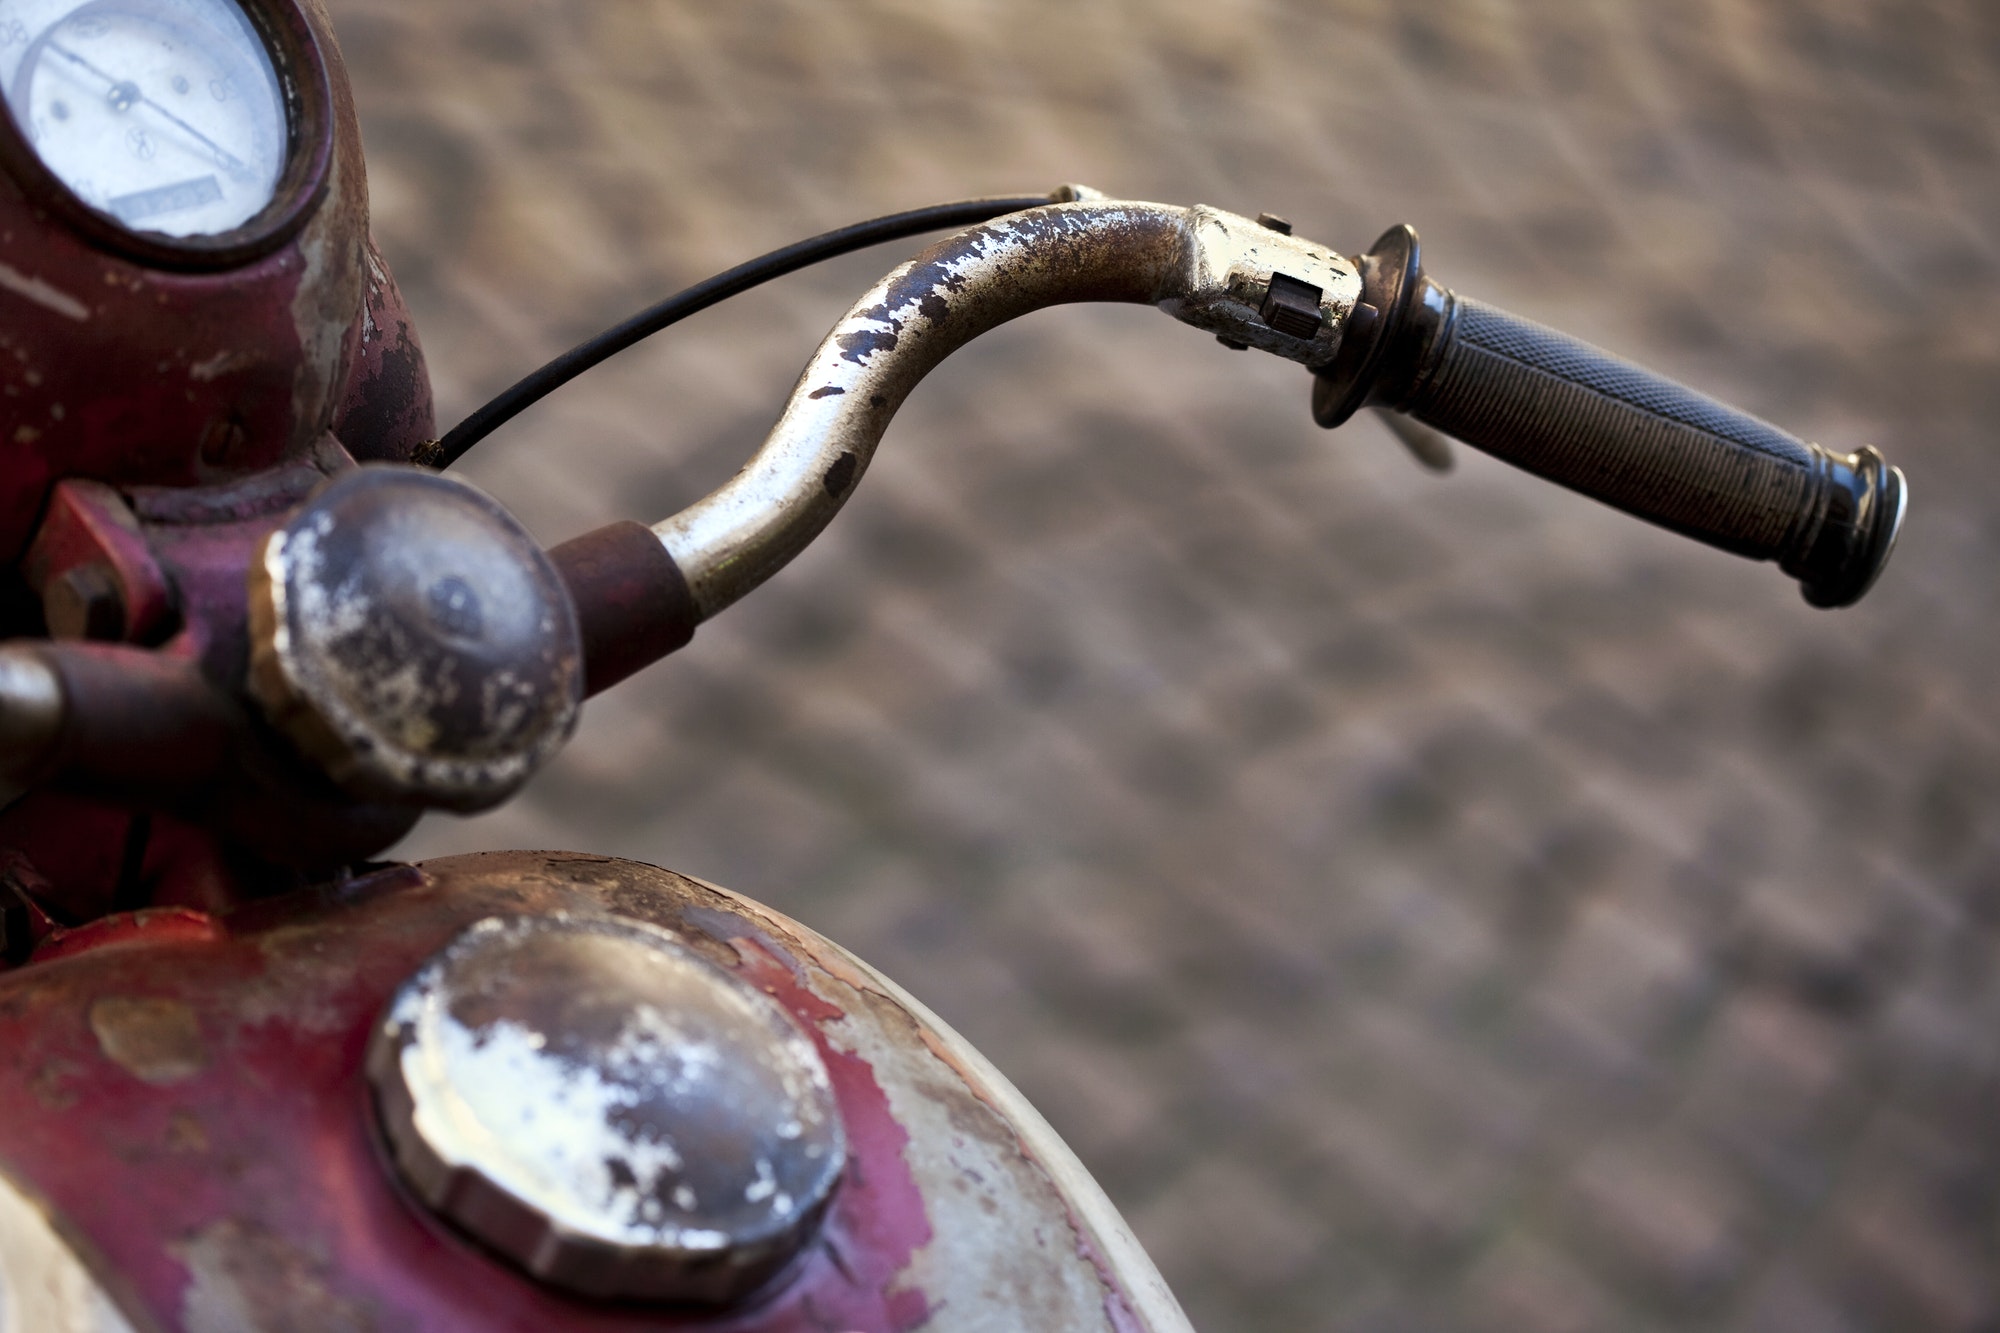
(199,1129)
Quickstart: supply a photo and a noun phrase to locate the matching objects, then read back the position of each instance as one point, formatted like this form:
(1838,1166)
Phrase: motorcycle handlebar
(1373,329)
(731,540)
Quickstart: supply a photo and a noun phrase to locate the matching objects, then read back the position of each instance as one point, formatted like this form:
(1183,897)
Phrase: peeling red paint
(270,1144)
(154,925)
(386,409)
(879,1204)
(1117,1309)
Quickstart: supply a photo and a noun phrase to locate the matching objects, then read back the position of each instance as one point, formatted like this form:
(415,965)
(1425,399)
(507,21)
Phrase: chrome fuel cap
(608,1109)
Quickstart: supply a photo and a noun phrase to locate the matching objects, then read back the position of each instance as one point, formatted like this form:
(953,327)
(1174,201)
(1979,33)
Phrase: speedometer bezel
(306,93)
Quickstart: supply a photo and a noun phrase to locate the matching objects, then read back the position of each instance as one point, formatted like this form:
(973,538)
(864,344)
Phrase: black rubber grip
(1578,415)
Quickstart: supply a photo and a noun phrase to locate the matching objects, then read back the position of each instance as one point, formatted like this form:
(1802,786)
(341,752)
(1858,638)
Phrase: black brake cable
(538,384)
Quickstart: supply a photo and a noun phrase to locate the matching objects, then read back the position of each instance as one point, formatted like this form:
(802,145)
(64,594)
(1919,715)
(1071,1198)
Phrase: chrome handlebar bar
(1245,282)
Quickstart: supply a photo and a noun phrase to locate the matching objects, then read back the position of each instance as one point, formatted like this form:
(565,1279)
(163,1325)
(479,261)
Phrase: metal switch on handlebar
(1254,286)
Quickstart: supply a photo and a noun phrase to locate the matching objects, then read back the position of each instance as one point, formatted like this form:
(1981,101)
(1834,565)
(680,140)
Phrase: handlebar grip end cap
(1837,557)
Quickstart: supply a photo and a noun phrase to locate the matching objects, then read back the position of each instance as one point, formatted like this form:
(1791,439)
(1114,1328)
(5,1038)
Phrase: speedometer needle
(123,94)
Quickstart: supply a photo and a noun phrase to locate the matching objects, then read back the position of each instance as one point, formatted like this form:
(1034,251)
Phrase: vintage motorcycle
(252,1079)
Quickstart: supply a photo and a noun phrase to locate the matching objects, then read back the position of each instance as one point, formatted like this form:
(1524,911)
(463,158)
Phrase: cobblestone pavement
(1427,904)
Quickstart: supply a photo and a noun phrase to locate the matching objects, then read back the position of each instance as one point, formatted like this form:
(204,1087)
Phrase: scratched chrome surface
(730,541)
(1204,266)
(1432,903)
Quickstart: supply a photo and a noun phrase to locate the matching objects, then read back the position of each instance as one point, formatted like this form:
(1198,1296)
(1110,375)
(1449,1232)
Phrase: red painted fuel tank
(187,1097)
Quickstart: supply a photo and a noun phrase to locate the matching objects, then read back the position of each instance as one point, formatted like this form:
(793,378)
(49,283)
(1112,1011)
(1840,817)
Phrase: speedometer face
(166,114)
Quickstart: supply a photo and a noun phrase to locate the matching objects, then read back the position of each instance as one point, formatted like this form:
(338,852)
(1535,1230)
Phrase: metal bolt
(32,712)
(1274,222)
(84,603)
(615,1113)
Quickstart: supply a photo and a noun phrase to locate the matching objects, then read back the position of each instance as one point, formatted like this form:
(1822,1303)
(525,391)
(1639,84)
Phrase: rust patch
(861,344)
(841,475)
(156,1041)
(1006,1128)
(185,1135)
(243,1279)
(53,1084)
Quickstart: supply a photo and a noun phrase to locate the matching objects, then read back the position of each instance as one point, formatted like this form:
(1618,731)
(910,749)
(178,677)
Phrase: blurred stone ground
(1427,904)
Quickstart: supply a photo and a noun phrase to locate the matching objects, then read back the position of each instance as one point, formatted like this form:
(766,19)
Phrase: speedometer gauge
(164,114)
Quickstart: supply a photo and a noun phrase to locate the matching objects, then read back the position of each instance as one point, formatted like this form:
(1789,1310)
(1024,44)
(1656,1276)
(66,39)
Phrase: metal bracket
(1251,285)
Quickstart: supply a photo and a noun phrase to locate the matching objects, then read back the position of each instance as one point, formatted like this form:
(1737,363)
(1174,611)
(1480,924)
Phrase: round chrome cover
(608,1109)
(409,635)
